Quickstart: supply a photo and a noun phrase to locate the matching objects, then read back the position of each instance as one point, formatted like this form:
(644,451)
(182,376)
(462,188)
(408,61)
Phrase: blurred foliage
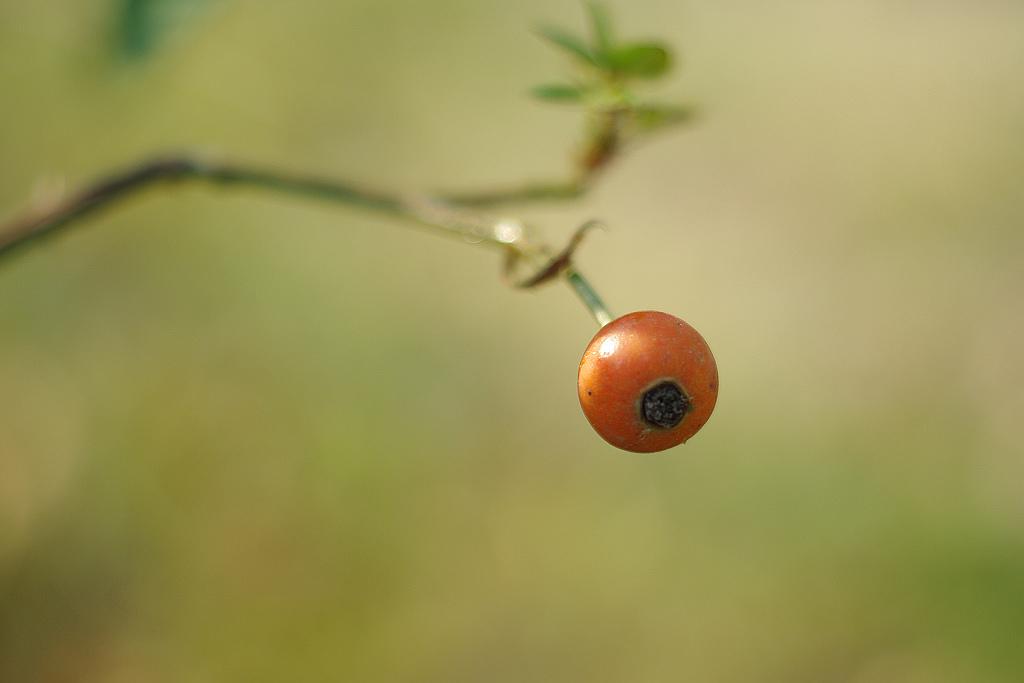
(603,52)
(247,438)
(141,25)
(605,84)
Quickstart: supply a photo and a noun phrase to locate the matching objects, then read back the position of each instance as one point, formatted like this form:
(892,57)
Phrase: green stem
(449,216)
(519,195)
(588,296)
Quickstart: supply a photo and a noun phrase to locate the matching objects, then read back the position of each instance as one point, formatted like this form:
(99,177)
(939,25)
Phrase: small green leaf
(652,117)
(640,60)
(559,93)
(568,42)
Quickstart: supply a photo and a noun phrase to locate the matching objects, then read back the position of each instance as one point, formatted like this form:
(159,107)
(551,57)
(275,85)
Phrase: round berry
(647,382)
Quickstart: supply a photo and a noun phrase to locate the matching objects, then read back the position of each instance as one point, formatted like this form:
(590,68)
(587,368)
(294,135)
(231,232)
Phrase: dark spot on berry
(664,406)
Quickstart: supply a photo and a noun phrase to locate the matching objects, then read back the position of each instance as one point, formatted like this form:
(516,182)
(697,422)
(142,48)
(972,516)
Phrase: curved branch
(41,222)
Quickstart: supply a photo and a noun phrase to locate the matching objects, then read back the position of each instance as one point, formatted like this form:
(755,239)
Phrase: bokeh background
(252,438)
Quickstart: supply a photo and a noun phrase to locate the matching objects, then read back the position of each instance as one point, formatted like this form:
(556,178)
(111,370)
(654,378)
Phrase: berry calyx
(647,382)
(664,406)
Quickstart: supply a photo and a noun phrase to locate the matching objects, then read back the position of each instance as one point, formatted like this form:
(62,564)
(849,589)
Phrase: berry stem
(588,296)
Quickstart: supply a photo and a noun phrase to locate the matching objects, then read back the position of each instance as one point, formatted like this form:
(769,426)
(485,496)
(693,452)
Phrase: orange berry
(647,382)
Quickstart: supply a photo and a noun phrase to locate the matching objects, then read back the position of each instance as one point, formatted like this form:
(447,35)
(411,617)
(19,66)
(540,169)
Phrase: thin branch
(45,221)
(447,216)
(603,143)
(521,195)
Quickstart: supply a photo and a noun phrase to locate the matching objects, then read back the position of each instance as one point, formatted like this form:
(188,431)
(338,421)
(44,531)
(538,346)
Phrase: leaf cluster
(607,69)
(613,60)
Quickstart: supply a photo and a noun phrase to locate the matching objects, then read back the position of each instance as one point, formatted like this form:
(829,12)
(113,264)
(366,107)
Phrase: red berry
(647,382)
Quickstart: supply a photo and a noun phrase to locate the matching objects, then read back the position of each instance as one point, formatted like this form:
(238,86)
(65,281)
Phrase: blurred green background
(251,438)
